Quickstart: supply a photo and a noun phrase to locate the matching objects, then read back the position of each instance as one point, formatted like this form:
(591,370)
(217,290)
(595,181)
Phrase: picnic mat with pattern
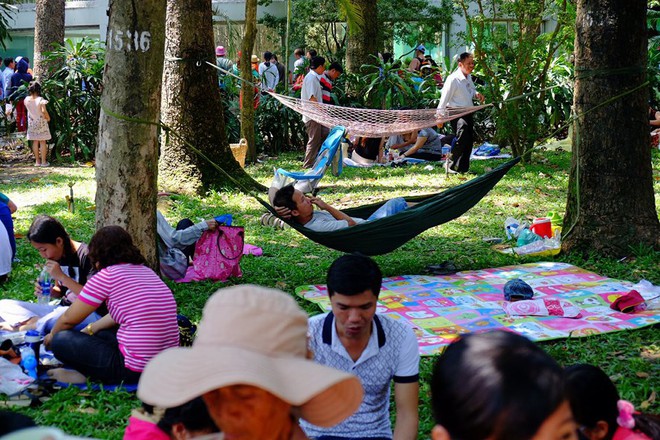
(439,308)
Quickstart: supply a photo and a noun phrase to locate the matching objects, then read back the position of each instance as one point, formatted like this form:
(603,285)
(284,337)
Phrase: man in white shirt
(376,348)
(293,202)
(312,91)
(268,73)
(459,91)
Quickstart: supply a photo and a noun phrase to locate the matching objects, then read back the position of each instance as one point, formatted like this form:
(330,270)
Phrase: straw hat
(254,59)
(251,335)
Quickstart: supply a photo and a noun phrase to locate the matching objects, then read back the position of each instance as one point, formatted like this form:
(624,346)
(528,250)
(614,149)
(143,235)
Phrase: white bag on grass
(12,378)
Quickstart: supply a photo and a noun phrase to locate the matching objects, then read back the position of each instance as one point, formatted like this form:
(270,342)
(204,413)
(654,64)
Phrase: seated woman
(67,263)
(369,150)
(424,144)
(140,324)
(499,386)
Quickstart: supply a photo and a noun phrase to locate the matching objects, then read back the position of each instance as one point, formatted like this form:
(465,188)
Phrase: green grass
(290,260)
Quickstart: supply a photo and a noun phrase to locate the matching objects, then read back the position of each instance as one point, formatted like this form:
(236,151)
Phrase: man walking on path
(459,91)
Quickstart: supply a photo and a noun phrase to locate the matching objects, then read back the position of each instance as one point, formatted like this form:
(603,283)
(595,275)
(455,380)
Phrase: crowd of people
(260,368)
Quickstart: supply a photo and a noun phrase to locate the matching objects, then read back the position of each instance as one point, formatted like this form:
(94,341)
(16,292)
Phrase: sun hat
(220,51)
(254,59)
(251,335)
(421,48)
(517,289)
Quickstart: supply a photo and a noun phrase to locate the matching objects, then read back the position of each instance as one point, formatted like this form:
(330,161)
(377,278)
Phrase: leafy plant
(388,86)
(74,97)
(279,128)
(515,57)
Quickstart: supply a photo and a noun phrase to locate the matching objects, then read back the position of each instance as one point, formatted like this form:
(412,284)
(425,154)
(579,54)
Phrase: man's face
(354,314)
(241,412)
(467,66)
(304,206)
(333,74)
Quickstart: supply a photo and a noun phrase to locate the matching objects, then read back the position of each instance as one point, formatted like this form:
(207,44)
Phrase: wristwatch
(89,330)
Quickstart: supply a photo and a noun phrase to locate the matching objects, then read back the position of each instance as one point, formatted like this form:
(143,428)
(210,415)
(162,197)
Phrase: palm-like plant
(7,10)
(388,86)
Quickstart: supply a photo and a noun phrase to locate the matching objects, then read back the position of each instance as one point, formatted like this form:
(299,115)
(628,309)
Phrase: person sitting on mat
(369,150)
(424,144)
(68,264)
(329,218)
(141,321)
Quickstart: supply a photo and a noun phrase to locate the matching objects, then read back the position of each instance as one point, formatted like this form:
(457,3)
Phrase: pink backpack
(218,254)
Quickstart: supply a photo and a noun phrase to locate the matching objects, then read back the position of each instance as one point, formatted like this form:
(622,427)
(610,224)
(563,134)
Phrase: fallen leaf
(314,257)
(515,204)
(645,404)
(616,377)
(280,285)
(642,374)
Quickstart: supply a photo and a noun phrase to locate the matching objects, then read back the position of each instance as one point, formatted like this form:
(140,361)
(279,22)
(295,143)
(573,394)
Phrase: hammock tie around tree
(384,235)
(374,123)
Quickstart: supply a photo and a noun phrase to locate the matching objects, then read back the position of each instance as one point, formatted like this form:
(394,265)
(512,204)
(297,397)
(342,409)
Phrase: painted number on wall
(129,40)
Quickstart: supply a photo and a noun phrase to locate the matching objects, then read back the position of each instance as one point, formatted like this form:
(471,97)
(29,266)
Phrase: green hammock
(381,236)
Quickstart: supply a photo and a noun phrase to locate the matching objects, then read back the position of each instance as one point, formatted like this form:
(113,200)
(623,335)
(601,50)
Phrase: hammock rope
(371,122)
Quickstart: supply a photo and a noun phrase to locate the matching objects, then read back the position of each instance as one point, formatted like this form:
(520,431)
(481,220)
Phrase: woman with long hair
(68,264)
(141,320)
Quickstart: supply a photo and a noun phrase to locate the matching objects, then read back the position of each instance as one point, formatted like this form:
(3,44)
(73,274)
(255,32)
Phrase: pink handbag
(218,254)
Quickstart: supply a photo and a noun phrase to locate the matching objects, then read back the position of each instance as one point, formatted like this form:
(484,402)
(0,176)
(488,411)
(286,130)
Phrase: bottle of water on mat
(46,282)
(29,361)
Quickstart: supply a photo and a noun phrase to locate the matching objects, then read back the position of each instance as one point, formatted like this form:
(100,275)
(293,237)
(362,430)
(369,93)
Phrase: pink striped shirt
(143,306)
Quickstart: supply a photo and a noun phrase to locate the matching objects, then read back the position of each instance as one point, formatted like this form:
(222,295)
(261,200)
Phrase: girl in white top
(38,119)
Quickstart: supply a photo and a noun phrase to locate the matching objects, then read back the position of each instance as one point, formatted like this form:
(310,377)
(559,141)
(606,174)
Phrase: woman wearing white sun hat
(251,365)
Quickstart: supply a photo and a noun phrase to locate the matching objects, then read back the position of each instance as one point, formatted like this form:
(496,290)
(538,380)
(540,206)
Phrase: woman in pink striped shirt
(140,324)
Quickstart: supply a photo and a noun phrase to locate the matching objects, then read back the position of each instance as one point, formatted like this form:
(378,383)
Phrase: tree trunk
(127,154)
(364,41)
(191,104)
(247,90)
(48,31)
(610,203)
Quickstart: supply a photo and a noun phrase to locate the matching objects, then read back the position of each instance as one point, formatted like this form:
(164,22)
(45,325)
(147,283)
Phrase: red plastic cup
(542,226)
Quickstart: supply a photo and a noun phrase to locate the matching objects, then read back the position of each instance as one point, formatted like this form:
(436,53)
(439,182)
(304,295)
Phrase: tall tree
(191,103)
(610,203)
(48,32)
(127,154)
(366,41)
(247,91)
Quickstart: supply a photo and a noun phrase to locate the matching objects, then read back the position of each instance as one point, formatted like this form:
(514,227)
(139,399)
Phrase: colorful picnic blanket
(439,308)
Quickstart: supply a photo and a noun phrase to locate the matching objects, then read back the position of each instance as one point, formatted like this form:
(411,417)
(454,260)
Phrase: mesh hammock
(373,123)
(384,235)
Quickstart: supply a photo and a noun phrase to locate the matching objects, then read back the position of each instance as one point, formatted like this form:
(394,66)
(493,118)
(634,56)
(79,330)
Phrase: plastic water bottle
(29,361)
(45,281)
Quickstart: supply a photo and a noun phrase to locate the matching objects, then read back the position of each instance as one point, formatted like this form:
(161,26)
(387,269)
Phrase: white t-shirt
(269,76)
(311,87)
(5,251)
(458,91)
(323,221)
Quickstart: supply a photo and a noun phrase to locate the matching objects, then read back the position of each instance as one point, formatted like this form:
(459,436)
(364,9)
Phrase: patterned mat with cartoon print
(441,307)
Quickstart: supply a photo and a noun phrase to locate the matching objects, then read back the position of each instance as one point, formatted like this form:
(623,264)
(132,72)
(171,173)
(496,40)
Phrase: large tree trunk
(191,104)
(247,90)
(610,202)
(364,41)
(48,31)
(127,154)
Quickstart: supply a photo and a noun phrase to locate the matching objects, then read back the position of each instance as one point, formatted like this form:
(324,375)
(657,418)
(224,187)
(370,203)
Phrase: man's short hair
(335,65)
(284,197)
(464,56)
(312,53)
(354,274)
(316,62)
(299,51)
(8,61)
(268,56)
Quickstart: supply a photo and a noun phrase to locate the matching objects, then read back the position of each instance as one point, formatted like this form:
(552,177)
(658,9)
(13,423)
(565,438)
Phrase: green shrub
(74,95)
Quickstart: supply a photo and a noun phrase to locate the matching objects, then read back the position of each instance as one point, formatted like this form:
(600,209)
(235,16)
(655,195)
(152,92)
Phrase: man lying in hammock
(328,218)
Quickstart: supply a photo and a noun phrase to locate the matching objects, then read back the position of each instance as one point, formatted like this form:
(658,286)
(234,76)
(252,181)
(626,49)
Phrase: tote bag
(218,253)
